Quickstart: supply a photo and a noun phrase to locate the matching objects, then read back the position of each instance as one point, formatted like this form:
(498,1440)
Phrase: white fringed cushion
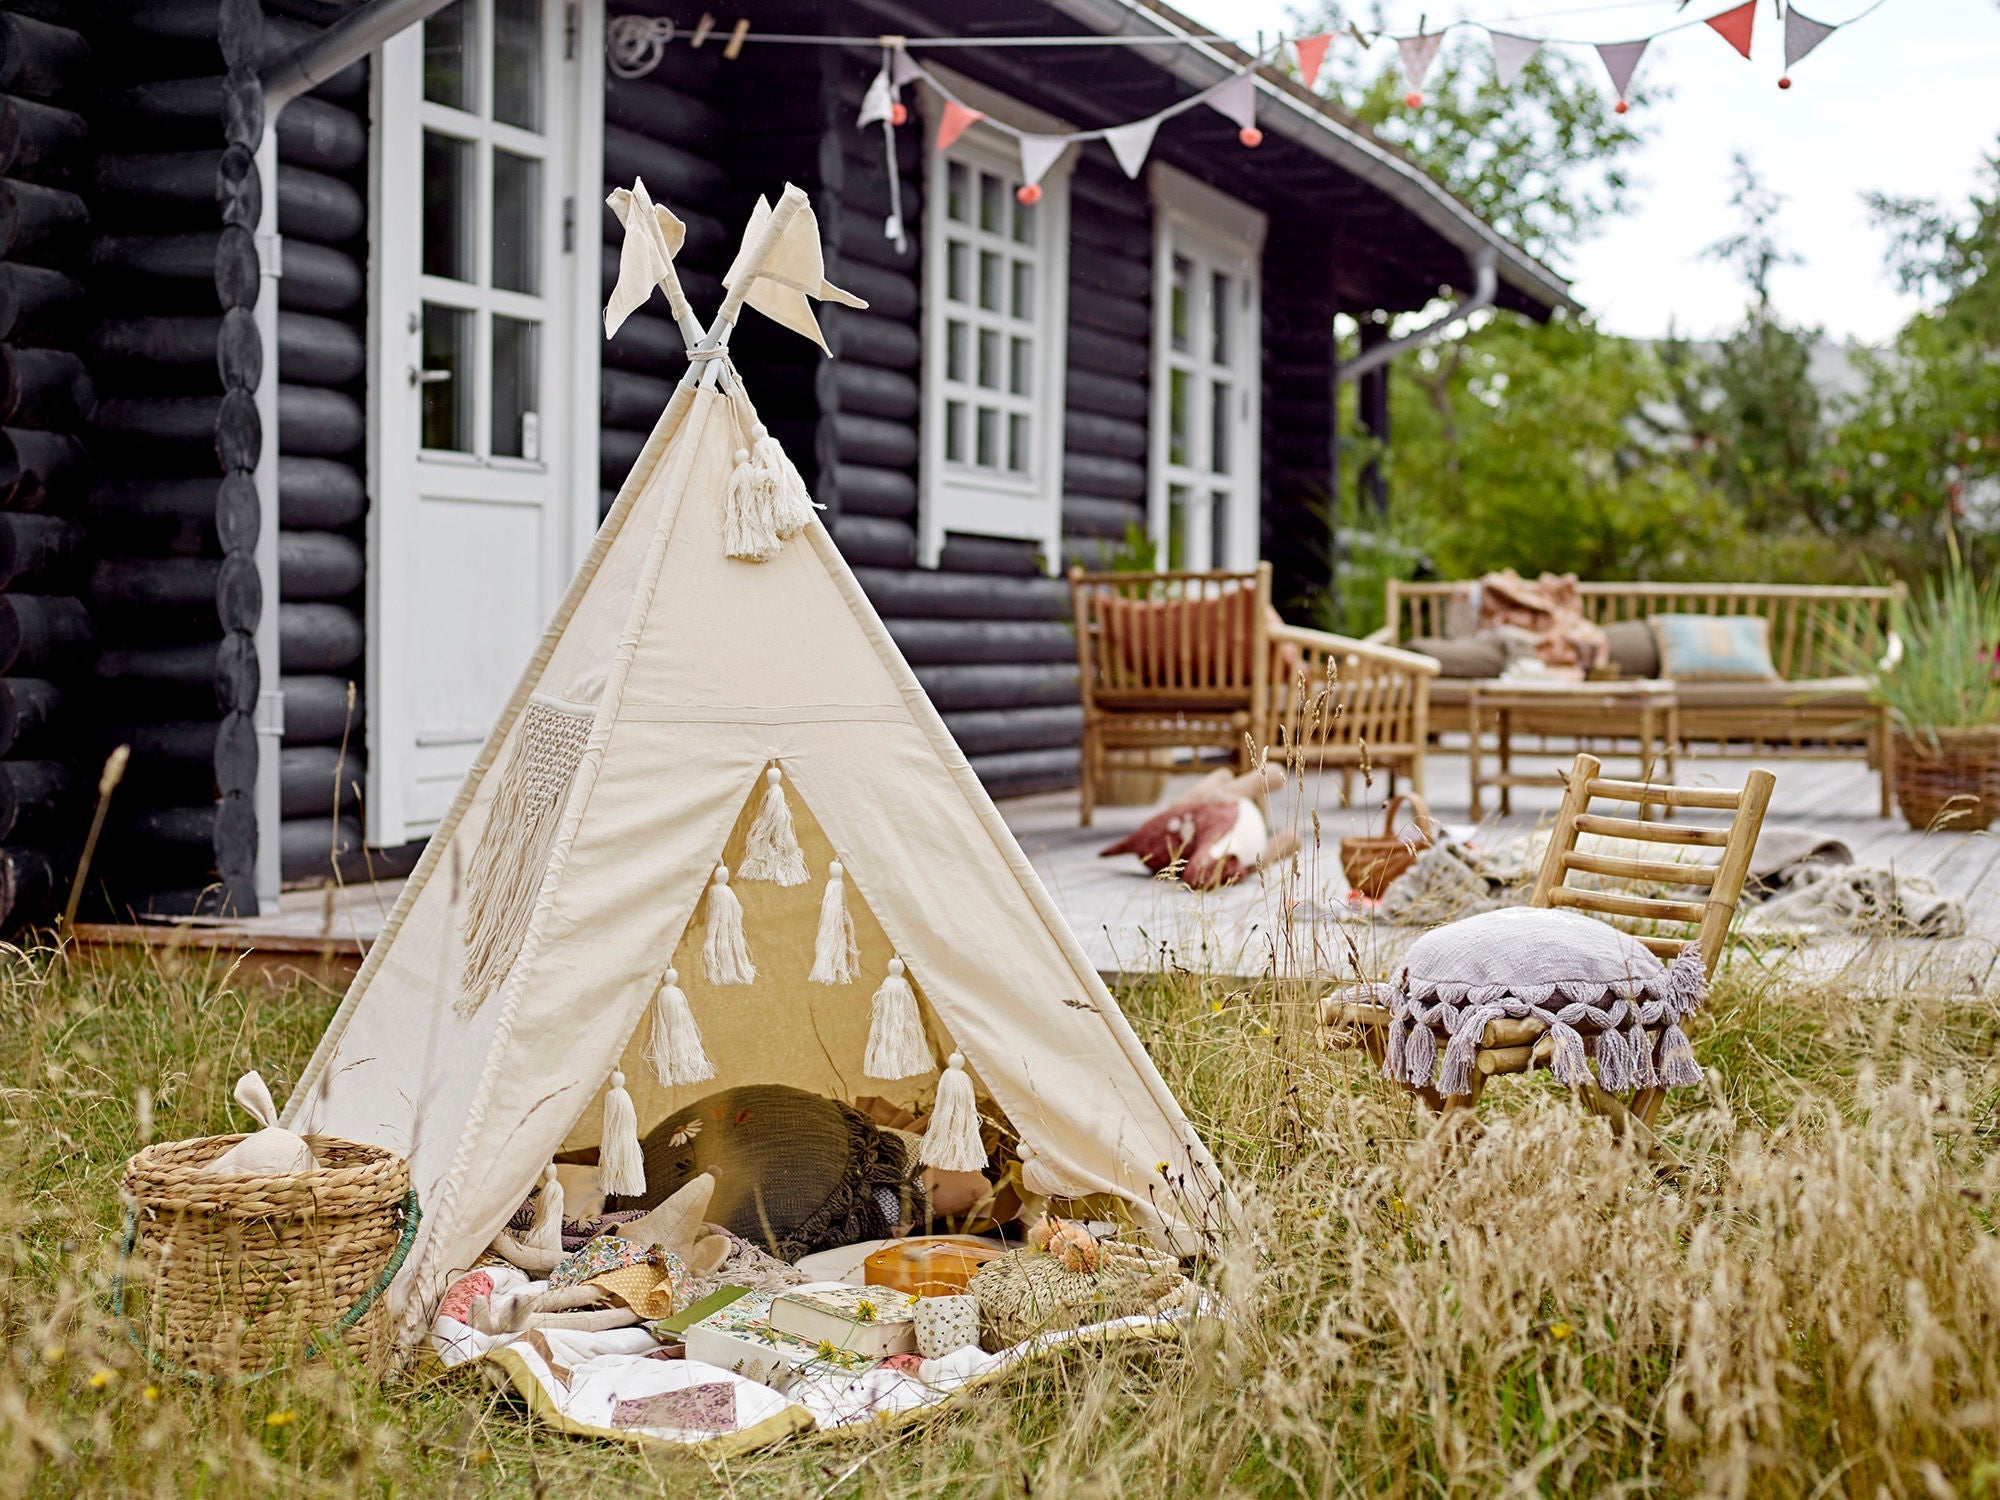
(1560,967)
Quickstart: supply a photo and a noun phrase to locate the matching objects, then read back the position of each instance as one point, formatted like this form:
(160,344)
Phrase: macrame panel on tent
(781,1028)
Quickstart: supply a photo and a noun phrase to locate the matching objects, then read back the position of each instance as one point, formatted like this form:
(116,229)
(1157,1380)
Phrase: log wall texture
(46,401)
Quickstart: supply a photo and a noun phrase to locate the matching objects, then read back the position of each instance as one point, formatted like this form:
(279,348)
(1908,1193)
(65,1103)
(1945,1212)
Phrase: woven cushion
(1634,651)
(1694,647)
(1468,656)
(1536,953)
(794,1172)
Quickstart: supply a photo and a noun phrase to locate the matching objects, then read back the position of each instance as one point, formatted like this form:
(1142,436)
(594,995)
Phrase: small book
(871,1321)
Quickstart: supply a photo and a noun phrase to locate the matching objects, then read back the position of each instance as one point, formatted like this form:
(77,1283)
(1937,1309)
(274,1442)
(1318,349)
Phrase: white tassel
(547,1231)
(896,1044)
(951,1140)
(836,959)
(675,1051)
(621,1166)
(750,517)
(792,506)
(724,955)
(771,849)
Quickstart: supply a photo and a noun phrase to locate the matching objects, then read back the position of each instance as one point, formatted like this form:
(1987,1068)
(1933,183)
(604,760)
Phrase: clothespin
(1355,32)
(702,28)
(735,44)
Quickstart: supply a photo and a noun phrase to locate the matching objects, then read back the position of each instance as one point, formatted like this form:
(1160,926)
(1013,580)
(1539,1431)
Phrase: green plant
(1136,553)
(1948,675)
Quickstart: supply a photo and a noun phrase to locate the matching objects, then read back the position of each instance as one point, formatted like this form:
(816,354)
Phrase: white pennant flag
(1237,98)
(1039,153)
(652,238)
(1418,53)
(903,68)
(1131,144)
(876,102)
(1620,58)
(1802,34)
(1511,54)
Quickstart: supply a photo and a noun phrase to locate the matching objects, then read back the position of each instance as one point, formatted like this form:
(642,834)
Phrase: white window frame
(959,496)
(1218,233)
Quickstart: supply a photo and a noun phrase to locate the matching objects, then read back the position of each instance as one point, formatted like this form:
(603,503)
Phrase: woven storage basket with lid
(236,1275)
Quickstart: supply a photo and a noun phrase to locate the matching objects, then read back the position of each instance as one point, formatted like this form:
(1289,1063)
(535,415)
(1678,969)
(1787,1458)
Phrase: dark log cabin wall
(45,401)
(174,518)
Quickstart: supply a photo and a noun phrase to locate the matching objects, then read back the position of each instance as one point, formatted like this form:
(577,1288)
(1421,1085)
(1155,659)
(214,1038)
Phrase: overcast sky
(1907,100)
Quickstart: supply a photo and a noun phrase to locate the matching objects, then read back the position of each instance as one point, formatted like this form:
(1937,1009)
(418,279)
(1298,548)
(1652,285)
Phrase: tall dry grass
(1811,1309)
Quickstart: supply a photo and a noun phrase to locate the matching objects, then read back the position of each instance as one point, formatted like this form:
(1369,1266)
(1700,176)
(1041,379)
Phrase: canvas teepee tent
(572,870)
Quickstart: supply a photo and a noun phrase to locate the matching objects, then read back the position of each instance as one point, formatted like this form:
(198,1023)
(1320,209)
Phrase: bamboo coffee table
(1646,710)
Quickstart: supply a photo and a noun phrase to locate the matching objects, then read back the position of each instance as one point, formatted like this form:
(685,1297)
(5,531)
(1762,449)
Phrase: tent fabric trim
(805,713)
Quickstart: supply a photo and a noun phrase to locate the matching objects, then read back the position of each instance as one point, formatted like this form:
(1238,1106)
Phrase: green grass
(1811,1309)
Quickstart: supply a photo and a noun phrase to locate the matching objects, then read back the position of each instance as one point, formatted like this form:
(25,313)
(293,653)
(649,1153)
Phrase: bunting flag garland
(1311,52)
(1620,59)
(1802,34)
(1038,154)
(1133,143)
(878,104)
(1734,26)
(1511,54)
(957,118)
(1418,52)
(1236,99)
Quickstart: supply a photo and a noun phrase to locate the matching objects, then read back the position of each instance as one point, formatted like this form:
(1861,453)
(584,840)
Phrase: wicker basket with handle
(239,1274)
(1948,778)
(1372,862)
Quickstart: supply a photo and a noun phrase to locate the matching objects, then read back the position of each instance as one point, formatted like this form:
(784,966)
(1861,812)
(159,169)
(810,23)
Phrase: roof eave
(1305,119)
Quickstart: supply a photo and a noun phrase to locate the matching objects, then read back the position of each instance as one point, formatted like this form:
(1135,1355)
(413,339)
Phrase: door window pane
(989,280)
(516,388)
(1220,319)
(1017,443)
(448,193)
(955,254)
(1180,309)
(1219,398)
(1022,302)
(988,452)
(989,359)
(1024,223)
(1177,514)
(954,431)
(992,194)
(517,218)
(448,56)
(517,63)
(954,350)
(446,378)
(1178,392)
(955,191)
(1017,367)
(1218,529)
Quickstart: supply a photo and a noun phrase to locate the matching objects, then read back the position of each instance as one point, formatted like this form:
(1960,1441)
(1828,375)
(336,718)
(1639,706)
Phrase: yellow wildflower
(52,1354)
(99,1379)
(280,1418)
(151,1393)
(1559,1330)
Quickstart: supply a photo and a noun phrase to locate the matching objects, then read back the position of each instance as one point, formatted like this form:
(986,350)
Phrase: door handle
(429,377)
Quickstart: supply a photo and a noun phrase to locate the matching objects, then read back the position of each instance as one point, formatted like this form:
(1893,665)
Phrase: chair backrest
(1815,629)
(1718,885)
(1185,638)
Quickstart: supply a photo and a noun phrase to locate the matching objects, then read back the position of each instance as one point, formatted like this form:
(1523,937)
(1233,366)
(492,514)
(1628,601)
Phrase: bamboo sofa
(1200,661)
(1813,708)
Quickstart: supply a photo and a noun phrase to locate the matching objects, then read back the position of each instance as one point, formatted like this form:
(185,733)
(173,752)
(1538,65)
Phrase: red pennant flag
(956,118)
(1312,53)
(1733,26)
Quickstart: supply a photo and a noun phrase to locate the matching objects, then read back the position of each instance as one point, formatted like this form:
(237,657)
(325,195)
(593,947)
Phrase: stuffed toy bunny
(1214,834)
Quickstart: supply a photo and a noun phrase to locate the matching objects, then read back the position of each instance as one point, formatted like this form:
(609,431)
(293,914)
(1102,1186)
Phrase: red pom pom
(1620,107)
(1785,83)
(1414,99)
(899,113)
(1029,192)
(1250,136)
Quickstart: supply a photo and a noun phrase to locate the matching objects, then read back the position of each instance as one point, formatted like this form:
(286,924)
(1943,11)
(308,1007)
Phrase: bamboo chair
(1168,661)
(1521,1046)
(1348,705)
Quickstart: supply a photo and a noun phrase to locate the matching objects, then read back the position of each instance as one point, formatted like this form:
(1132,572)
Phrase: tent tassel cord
(836,957)
(621,1167)
(896,1044)
(547,1231)
(951,1141)
(792,510)
(513,851)
(675,1052)
(724,956)
(771,849)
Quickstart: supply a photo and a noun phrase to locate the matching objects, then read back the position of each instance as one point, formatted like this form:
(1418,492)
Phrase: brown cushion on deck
(1471,656)
(1849,694)
(1634,652)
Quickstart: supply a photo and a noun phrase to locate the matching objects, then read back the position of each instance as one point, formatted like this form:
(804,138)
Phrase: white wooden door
(483,267)
(1207,375)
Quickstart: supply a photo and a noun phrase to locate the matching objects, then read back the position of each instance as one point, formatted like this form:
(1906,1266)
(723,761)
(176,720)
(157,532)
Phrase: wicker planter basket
(1948,778)
(233,1276)
(1374,862)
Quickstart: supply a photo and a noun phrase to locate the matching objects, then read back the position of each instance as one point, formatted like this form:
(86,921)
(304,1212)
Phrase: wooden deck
(1297,921)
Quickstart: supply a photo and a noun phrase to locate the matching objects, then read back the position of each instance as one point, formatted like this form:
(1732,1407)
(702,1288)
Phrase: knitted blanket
(1603,995)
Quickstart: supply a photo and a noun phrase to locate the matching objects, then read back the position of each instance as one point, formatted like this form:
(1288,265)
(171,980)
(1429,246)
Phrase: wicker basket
(1373,862)
(1948,778)
(239,1275)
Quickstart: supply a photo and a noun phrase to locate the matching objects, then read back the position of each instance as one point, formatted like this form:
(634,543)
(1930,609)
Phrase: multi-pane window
(994,286)
(1206,350)
(485,151)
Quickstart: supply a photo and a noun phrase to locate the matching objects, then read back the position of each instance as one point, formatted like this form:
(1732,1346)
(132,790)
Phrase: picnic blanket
(1549,609)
